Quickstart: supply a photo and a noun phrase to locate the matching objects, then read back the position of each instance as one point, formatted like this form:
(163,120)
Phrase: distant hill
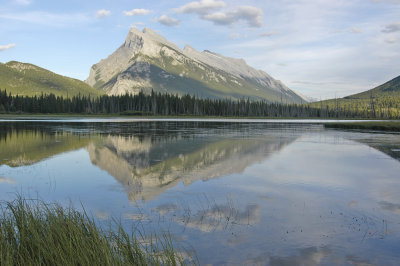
(389,89)
(29,80)
(380,102)
(147,61)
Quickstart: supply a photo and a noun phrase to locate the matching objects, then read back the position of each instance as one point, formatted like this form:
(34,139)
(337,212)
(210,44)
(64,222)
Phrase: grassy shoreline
(35,233)
(380,125)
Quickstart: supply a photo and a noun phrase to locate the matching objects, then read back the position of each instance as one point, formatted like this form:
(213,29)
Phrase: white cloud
(168,21)
(206,9)
(396,2)
(267,34)
(23,2)
(48,19)
(200,7)
(252,15)
(138,24)
(390,40)
(314,52)
(103,13)
(137,12)
(394,27)
(355,30)
(7,46)
(234,36)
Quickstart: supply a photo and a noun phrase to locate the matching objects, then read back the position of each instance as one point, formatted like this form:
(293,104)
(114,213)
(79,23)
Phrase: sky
(320,48)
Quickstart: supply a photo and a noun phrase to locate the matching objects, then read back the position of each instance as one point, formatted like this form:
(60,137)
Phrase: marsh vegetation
(36,233)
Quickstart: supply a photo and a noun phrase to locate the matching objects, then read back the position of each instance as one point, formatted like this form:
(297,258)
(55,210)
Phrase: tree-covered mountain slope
(28,80)
(388,89)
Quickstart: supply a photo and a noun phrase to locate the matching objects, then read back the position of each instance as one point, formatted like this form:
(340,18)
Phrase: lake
(253,192)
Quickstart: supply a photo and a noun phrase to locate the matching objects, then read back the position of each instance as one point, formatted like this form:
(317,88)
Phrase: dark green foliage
(386,126)
(372,107)
(167,104)
(152,104)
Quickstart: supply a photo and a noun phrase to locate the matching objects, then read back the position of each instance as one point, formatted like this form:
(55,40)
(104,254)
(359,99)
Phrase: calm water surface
(254,193)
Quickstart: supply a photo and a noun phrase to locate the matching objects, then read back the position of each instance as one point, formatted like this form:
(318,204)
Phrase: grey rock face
(147,61)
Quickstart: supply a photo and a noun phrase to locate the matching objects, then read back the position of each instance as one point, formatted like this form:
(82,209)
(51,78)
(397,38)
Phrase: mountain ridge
(147,61)
(379,102)
(387,89)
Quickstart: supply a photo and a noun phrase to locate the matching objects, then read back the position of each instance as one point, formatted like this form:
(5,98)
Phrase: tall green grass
(35,233)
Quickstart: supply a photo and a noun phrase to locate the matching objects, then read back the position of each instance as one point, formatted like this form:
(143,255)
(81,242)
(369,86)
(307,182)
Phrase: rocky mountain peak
(188,48)
(147,61)
(209,52)
(137,39)
(135,30)
(134,39)
(154,35)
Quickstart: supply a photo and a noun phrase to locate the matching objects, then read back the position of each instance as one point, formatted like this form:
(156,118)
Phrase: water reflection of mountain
(148,158)
(147,169)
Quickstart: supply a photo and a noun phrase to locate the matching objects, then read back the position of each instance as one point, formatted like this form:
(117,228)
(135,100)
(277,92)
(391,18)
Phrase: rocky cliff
(147,61)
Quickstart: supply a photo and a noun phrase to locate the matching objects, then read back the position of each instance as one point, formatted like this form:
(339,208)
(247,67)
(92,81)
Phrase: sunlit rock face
(147,61)
(128,161)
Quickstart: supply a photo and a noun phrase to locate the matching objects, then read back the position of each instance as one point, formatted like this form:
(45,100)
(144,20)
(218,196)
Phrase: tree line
(168,104)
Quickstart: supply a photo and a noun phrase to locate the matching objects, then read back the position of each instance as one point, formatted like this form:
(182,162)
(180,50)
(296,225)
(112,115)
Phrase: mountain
(28,80)
(388,89)
(379,102)
(147,61)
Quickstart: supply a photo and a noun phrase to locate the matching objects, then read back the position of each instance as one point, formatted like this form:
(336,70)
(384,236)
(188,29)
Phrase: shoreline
(33,116)
(393,126)
(328,123)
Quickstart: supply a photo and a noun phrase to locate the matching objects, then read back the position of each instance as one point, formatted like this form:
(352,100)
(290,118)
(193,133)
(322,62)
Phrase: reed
(35,233)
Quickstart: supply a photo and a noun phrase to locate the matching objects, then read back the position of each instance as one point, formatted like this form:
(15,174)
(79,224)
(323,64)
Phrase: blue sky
(321,48)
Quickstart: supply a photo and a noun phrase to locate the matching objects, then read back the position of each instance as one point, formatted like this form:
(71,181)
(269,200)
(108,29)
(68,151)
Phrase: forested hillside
(380,102)
(29,80)
(390,89)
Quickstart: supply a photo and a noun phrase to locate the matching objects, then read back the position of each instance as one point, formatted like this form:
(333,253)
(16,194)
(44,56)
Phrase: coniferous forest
(174,105)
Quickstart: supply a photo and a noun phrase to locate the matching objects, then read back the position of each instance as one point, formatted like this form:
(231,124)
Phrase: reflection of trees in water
(388,144)
(22,144)
(25,143)
(391,149)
